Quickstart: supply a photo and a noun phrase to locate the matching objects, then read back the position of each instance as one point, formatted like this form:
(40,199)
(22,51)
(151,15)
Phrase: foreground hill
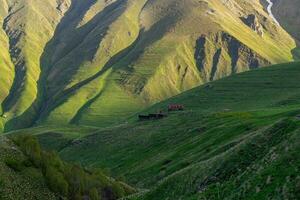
(238,138)
(16,185)
(96,62)
(27,172)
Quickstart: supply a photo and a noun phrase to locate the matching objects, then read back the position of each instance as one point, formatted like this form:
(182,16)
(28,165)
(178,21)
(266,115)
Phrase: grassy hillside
(15,184)
(27,171)
(96,62)
(238,138)
(26,27)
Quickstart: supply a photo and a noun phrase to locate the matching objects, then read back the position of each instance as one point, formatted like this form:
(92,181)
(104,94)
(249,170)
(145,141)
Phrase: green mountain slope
(96,62)
(238,138)
(26,28)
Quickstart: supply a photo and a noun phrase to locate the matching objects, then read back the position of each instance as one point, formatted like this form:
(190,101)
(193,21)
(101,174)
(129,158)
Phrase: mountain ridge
(96,62)
(239,131)
(179,98)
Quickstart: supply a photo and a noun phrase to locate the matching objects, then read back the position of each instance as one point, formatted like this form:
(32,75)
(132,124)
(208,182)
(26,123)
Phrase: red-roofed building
(175,107)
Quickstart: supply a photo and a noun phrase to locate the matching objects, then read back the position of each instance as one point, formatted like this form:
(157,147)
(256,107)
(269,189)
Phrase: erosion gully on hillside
(97,62)
(149,99)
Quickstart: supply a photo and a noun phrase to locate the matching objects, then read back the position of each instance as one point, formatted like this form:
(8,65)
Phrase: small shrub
(52,159)
(15,164)
(117,190)
(93,194)
(76,179)
(71,181)
(56,181)
(30,146)
(128,189)
(1,183)
(76,197)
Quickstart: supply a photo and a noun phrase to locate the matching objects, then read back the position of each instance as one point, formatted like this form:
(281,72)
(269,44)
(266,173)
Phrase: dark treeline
(69,180)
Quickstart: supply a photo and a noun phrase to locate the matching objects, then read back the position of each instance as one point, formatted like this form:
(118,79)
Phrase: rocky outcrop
(221,54)
(63,5)
(252,21)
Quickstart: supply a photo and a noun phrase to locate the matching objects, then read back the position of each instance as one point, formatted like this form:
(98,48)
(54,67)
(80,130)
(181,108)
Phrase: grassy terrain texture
(238,138)
(26,170)
(96,62)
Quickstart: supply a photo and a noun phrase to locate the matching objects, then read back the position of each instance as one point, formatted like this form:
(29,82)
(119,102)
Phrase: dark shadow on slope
(79,48)
(16,88)
(296,53)
(235,49)
(80,112)
(64,95)
(67,30)
(15,54)
(120,60)
(129,55)
(216,60)
(130,80)
(199,54)
(74,15)
(100,22)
